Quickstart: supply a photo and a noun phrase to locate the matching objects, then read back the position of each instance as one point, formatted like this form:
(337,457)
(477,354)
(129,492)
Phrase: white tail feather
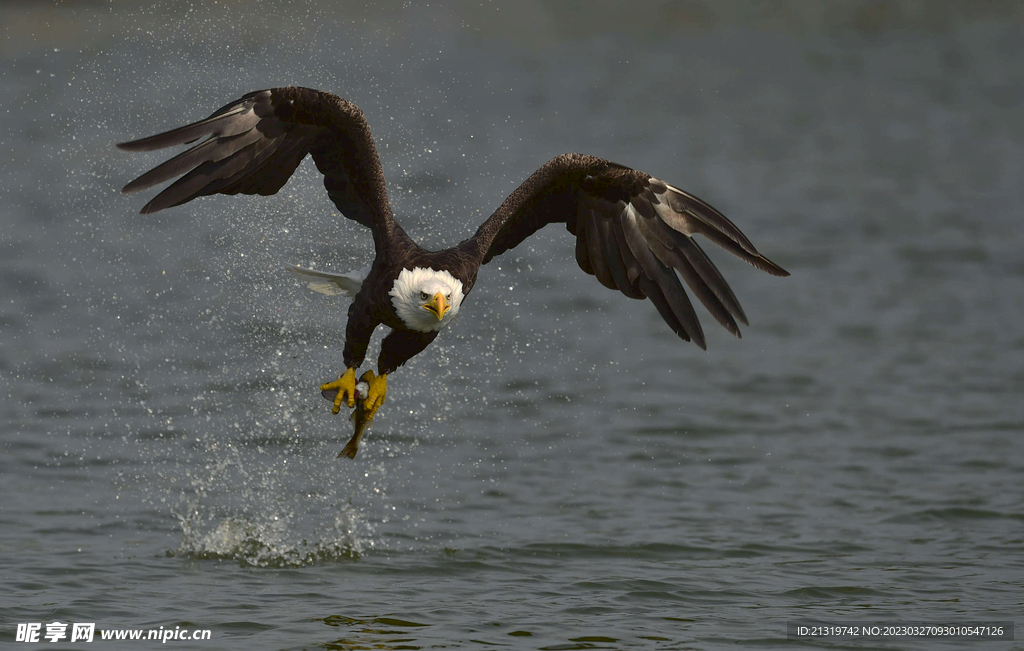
(330,284)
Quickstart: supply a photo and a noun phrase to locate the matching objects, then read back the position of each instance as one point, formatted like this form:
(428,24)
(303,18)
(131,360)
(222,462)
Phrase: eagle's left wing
(634,232)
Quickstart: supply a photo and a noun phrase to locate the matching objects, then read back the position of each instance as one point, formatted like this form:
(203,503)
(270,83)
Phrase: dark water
(557,471)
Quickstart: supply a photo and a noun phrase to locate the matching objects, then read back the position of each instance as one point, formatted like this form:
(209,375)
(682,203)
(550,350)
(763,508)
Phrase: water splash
(271,543)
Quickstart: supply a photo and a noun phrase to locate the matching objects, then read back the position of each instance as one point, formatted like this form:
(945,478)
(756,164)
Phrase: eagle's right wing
(253,145)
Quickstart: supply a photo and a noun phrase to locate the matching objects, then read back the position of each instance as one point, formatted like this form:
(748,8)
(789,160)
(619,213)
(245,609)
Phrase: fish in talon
(360,417)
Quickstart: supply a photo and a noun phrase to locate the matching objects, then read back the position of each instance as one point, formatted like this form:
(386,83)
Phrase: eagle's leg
(376,393)
(346,387)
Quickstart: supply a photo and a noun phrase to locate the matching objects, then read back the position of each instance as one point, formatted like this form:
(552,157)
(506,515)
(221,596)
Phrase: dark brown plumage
(633,231)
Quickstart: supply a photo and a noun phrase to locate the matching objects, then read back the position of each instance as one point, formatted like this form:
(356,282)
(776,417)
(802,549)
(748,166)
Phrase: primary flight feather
(633,232)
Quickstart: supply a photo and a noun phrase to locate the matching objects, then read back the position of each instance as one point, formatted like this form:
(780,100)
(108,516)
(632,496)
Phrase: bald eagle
(633,232)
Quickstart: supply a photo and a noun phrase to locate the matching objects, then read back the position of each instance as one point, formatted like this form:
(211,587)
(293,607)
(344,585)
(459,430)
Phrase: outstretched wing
(254,144)
(634,232)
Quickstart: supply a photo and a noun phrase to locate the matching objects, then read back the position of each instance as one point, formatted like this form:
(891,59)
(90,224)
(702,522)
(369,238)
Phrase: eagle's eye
(448,297)
(423,296)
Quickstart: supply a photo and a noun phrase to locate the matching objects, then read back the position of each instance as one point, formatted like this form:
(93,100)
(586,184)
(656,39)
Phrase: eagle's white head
(426,300)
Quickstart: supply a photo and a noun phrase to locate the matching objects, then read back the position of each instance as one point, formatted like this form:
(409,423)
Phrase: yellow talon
(346,388)
(376,393)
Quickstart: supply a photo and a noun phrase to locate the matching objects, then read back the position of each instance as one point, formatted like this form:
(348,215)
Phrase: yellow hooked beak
(438,306)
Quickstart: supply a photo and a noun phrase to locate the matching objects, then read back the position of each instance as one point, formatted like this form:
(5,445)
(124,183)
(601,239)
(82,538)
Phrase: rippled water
(557,471)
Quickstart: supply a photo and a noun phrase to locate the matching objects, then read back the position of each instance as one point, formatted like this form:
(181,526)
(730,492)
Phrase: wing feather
(697,271)
(582,257)
(229,120)
(633,270)
(698,285)
(710,276)
(597,258)
(254,145)
(653,292)
(216,176)
(633,232)
(687,214)
(189,159)
(666,281)
(616,257)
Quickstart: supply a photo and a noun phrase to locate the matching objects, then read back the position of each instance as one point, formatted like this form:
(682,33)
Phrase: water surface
(557,470)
